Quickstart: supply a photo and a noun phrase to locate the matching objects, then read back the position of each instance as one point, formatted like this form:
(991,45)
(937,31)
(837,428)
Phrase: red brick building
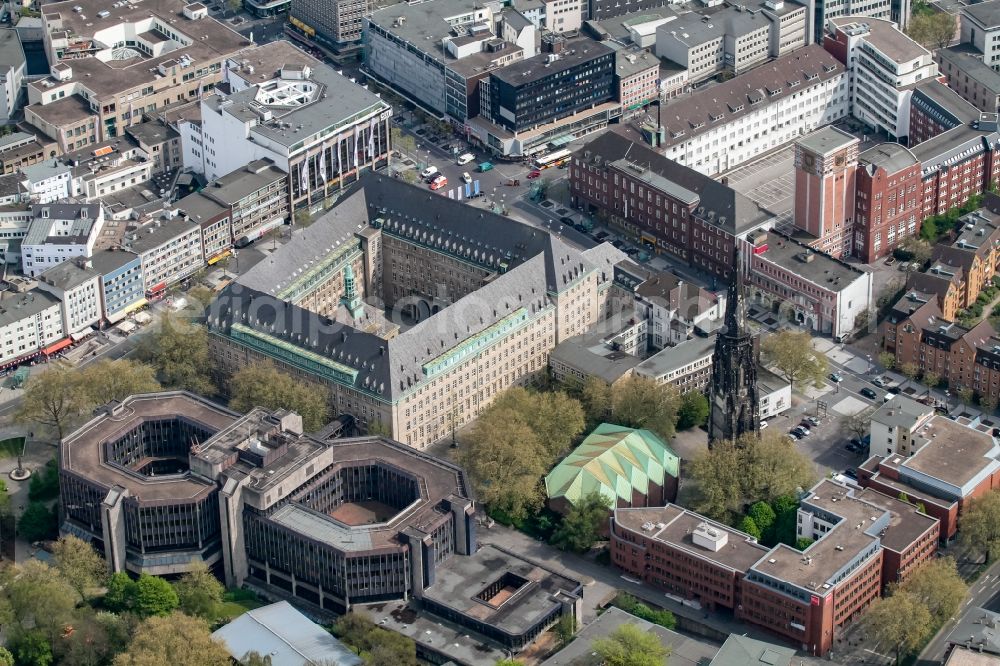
(935,108)
(660,203)
(826,162)
(863,541)
(953,463)
(888,205)
(957,164)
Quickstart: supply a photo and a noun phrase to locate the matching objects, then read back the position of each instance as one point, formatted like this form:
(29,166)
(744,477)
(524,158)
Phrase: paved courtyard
(768,181)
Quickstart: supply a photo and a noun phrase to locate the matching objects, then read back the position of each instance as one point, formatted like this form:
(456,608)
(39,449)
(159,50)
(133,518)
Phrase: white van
(430,171)
(466,158)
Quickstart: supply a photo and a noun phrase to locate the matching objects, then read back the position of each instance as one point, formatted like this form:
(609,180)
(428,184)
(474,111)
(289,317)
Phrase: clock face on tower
(808,161)
(839,160)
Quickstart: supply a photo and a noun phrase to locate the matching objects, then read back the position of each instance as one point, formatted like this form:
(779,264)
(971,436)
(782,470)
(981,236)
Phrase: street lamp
(869,357)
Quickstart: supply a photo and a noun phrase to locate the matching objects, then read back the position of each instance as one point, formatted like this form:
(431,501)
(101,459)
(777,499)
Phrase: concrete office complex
(896,11)
(825,166)
(164,480)
(662,204)
(968,75)
(734,38)
(720,127)
(169,250)
(110,64)
(363,302)
(435,53)
(12,73)
(950,463)
(549,86)
(863,541)
(286,107)
(884,66)
(336,25)
(980,27)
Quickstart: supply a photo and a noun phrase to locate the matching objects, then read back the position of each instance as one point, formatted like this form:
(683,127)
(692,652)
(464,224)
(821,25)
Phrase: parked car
(568,221)
(868,393)
(890,260)
(850,472)
(800,431)
(601,235)
(465,159)
(534,173)
(836,377)
(853,448)
(466,178)
(439,183)
(429,173)
(763,424)
(893,390)
(793,436)
(879,382)
(813,420)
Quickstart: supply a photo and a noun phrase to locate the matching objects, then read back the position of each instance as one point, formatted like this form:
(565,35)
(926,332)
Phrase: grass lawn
(11,448)
(235,603)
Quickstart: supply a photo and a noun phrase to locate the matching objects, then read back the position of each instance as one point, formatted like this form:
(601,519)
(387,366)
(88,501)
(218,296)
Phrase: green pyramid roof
(614,461)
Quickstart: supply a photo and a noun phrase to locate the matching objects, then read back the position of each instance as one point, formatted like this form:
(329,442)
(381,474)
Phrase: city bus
(553,159)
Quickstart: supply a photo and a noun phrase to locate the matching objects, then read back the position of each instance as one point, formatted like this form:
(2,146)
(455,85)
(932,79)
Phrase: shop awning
(127,326)
(19,360)
(561,141)
(162,286)
(80,335)
(132,308)
(219,257)
(53,348)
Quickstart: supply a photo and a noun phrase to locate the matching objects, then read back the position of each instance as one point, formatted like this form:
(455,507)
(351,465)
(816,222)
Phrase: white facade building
(169,251)
(93,181)
(981,28)
(311,122)
(14,223)
(12,71)
(688,365)
(30,321)
(895,425)
(720,127)
(77,286)
(775,394)
(48,181)
(884,65)
(58,232)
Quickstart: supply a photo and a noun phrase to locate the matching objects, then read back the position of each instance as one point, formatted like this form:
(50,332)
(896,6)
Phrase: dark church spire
(734,398)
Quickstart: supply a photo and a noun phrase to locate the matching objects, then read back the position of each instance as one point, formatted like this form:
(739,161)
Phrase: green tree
(900,621)
(6,658)
(748,525)
(792,354)
(44,484)
(966,395)
(750,469)
(887,360)
(234,6)
(554,417)
(121,592)
(402,141)
(173,639)
(932,379)
(938,586)
(38,522)
(32,648)
(154,596)
(934,30)
(596,398)
(565,628)
(39,600)
(763,516)
(410,176)
(581,527)
(802,543)
(628,645)
(918,250)
(54,398)
(693,410)
(199,592)
(979,526)
(264,385)
(640,402)
(79,564)
(910,370)
(988,402)
(505,460)
(105,381)
(377,646)
(254,658)
(858,424)
(178,351)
